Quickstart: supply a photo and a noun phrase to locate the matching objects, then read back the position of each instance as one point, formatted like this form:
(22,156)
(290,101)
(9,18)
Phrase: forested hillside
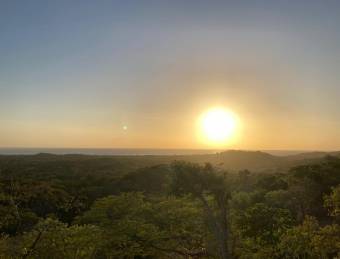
(77,206)
(233,161)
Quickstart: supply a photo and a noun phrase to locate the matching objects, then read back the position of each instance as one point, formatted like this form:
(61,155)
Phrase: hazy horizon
(137,74)
(141,151)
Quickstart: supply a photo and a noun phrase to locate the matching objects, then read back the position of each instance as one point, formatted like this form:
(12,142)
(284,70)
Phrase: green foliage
(332,202)
(310,241)
(150,180)
(123,220)
(14,218)
(309,183)
(266,224)
(208,186)
(250,248)
(196,180)
(103,207)
(53,239)
(272,182)
(133,226)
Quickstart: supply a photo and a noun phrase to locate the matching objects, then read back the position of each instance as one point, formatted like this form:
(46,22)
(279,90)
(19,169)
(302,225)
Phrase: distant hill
(312,155)
(232,160)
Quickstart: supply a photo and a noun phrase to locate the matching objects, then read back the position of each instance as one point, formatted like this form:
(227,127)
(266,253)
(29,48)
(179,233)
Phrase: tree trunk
(218,228)
(225,233)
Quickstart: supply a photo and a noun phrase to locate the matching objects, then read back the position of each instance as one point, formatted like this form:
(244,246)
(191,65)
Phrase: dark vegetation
(229,205)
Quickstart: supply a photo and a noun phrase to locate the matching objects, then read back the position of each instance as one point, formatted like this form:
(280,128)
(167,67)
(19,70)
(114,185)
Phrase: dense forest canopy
(74,206)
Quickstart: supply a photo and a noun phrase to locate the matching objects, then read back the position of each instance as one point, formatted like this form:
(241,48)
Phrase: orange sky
(74,74)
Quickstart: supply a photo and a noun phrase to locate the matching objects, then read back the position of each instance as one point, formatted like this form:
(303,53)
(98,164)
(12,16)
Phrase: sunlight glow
(218,126)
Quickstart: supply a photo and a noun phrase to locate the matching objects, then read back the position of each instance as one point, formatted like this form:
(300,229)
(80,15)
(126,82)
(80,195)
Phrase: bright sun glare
(218,125)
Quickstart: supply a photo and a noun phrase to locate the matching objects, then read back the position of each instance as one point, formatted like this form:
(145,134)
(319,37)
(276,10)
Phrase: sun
(218,125)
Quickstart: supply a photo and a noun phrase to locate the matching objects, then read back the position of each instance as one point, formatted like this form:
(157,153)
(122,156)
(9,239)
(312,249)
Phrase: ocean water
(127,151)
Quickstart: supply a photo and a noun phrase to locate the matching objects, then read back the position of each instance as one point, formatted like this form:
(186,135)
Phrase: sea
(129,151)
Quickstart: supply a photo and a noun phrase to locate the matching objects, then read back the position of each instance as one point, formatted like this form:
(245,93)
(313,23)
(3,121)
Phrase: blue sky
(74,73)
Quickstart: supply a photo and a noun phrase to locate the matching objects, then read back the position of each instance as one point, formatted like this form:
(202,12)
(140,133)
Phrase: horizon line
(172,148)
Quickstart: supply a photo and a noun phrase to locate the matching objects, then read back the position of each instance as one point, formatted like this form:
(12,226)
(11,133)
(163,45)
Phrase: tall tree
(208,186)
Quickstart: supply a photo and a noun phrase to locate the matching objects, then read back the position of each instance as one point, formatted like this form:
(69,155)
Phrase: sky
(138,74)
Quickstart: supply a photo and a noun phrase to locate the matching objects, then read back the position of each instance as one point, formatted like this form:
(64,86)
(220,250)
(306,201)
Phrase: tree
(53,239)
(309,183)
(14,217)
(181,226)
(332,202)
(133,226)
(264,223)
(209,187)
(271,182)
(310,241)
(122,219)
